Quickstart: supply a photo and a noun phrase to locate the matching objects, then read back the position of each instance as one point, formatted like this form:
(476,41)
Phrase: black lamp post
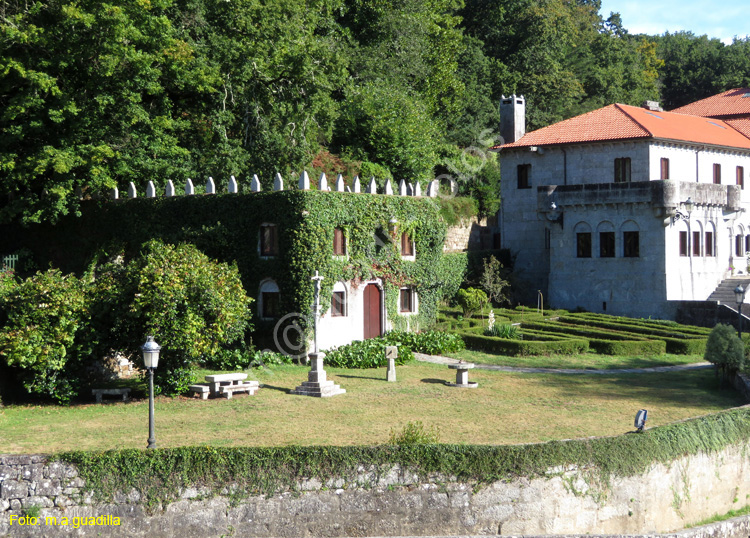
(151,359)
(739,295)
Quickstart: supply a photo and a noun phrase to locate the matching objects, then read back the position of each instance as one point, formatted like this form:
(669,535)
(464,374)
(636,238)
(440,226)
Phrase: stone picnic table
(225,385)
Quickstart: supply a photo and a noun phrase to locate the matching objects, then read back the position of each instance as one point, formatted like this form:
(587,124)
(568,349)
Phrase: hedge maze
(559,331)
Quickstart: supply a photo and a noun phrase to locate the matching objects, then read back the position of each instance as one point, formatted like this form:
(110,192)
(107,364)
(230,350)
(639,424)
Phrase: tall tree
(88,98)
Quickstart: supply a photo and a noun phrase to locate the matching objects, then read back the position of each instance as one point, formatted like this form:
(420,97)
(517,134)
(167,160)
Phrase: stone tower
(512,118)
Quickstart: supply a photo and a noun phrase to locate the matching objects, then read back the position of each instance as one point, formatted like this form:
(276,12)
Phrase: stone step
(724,292)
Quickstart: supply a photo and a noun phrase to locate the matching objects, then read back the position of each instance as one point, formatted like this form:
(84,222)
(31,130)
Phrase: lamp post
(739,295)
(150,352)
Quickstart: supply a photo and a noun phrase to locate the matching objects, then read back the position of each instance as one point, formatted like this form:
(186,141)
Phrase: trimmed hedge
(628,347)
(604,342)
(501,346)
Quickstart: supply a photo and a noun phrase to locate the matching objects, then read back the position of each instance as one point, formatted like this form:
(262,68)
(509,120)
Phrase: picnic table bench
(225,385)
(125,393)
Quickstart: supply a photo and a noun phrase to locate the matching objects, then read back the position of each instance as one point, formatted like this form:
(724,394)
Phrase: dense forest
(95,94)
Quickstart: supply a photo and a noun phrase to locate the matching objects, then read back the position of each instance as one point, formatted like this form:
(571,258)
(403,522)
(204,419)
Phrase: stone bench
(251,387)
(125,393)
(201,390)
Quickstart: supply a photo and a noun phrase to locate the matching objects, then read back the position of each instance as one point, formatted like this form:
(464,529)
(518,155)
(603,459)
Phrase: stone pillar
(391,352)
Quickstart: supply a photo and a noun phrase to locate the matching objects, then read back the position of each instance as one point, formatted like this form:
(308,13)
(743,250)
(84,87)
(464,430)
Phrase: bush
(725,350)
(193,306)
(428,342)
(45,317)
(414,433)
(366,354)
(470,300)
(195,309)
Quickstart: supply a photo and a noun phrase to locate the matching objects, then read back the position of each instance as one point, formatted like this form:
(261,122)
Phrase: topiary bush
(725,350)
(470,300)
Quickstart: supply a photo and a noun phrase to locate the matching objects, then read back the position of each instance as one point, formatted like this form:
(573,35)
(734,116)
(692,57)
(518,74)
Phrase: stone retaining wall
(469,235)
(393,503)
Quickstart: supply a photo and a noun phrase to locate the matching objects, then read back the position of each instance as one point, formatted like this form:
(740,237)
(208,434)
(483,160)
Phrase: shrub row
(254,470)
(677,341)
(656,324)
(371,353)
(605,342)
(501,346)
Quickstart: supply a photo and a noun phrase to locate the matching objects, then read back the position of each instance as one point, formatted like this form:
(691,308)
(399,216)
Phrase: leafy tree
(88,95)
(725,350)
(55,324)
(691,67)
(492,281)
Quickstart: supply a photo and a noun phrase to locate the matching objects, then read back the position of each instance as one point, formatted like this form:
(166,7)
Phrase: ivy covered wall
(227,228)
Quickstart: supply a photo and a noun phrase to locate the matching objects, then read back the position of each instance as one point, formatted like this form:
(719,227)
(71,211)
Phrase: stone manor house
(627,210)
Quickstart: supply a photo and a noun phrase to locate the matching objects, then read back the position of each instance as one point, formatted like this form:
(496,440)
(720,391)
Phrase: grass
(744,511)
(594,361)
(504,409)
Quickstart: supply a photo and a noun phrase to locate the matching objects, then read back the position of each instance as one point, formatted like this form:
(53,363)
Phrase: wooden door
(373,307)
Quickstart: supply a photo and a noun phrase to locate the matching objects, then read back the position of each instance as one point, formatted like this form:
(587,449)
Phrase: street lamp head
(739,294)
(689,205)
(150,352)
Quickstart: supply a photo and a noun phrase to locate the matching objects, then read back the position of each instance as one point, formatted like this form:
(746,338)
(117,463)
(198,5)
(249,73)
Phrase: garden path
(447,360)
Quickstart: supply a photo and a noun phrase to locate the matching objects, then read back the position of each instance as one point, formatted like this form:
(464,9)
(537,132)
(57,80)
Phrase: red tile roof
(625,122)
(730,103)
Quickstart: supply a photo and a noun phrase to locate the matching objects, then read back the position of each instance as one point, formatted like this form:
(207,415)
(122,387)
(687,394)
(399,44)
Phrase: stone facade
(392,503)
(571,191)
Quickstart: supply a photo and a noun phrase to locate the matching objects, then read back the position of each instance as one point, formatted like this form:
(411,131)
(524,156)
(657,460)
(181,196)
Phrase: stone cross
(317,279)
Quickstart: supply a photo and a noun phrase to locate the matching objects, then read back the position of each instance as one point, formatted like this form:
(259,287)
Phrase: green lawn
(506,408)
(594,361)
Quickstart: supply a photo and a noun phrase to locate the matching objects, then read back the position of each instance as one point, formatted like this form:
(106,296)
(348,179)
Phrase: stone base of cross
(317,385)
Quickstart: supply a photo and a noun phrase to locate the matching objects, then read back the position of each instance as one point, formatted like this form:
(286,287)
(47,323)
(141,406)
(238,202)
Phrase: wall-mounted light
(679,215)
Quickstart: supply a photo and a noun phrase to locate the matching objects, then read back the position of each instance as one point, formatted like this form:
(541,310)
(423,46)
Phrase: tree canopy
(97,94)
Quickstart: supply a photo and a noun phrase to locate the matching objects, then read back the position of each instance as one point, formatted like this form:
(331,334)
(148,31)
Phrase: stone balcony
(665,197)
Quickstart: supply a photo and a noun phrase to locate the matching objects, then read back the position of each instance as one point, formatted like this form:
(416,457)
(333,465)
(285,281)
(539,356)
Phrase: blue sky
(723,20)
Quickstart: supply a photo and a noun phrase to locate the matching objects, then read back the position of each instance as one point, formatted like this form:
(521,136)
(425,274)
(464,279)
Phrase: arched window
(697,239)
(339,300)
(268,300)
(583,240)
(631,240)
(709,242)
(739,242)
(606,232)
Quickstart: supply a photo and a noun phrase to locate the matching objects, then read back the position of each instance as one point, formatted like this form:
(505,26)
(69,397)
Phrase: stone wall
(468,235)
(393,503)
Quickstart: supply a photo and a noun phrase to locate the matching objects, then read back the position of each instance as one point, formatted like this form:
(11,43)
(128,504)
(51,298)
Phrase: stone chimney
(653,106)
(512,118)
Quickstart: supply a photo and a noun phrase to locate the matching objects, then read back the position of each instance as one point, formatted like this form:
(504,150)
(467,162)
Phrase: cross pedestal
(317,385)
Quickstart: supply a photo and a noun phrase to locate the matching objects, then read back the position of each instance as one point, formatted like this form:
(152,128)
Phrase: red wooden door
(372,311)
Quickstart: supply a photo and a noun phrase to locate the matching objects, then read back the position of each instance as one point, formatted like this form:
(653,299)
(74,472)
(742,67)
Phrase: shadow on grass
(280,389)
(433,381)
(360,377)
